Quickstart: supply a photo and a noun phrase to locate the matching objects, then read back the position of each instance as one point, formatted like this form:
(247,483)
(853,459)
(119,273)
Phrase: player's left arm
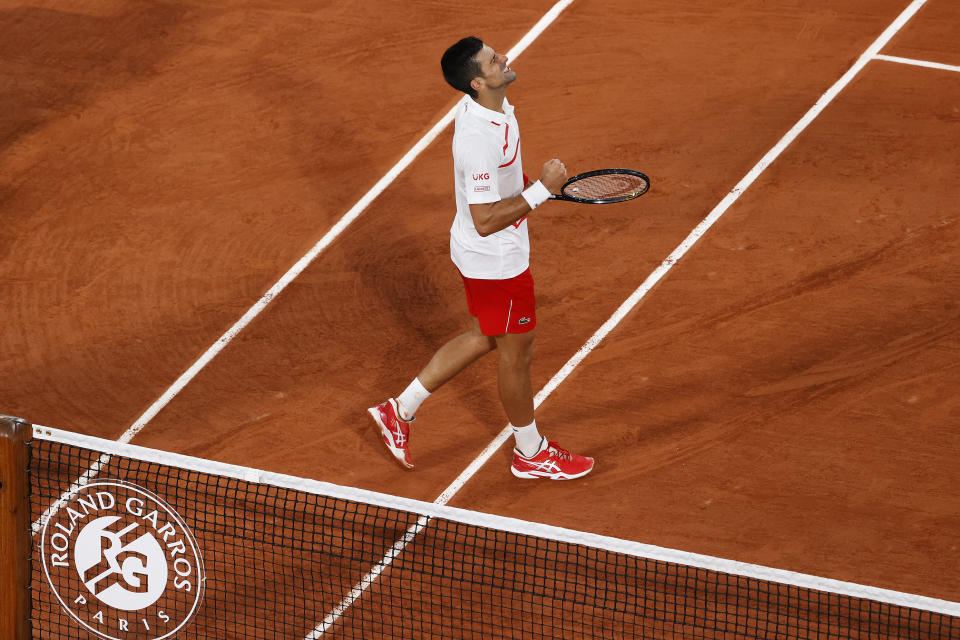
(490,217)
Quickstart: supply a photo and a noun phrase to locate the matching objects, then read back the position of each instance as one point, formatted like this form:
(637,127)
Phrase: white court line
(917,63)
(370,578)
(79,483)
(641,291)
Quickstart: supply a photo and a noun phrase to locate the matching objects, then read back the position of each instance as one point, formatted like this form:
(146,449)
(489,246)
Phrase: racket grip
(536,195)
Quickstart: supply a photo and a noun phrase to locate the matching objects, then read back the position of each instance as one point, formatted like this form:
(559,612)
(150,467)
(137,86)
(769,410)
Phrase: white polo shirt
(487,167)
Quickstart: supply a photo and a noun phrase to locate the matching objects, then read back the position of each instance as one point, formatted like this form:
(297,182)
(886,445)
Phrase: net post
(15,542)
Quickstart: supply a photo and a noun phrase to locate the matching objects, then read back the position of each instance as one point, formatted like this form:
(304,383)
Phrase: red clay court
(786,394)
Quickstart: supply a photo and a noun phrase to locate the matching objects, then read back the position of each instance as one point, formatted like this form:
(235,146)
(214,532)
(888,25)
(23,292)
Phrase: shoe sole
(385,436)
(535,475)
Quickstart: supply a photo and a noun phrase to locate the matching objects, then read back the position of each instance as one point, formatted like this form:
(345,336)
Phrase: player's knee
(517,354)
(485,344)
(482,343)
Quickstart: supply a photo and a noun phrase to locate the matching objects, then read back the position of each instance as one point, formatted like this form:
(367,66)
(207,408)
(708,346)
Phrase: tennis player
(490,247)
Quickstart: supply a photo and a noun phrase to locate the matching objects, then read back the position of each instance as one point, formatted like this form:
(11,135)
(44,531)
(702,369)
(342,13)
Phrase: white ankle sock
(528,439)
(411,399)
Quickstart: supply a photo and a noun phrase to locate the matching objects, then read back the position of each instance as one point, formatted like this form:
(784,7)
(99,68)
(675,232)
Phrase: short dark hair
(460,65)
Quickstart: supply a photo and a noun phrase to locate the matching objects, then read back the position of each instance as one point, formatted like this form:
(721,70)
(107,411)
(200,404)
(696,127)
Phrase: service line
(917,63)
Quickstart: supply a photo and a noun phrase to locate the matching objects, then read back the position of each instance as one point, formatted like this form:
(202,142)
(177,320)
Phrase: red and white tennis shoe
(394,430)
(552,462)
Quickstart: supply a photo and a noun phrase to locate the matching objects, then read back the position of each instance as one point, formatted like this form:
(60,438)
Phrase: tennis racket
(604,186)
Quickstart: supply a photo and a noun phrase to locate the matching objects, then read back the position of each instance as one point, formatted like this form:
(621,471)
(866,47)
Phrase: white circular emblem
(122,562)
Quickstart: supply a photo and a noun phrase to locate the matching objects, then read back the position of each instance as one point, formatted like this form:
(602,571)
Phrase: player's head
(460,65)
(472,66)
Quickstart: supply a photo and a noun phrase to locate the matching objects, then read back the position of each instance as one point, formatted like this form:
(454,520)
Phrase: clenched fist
(553,176)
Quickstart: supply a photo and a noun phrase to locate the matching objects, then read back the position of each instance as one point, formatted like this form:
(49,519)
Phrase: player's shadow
(54,63)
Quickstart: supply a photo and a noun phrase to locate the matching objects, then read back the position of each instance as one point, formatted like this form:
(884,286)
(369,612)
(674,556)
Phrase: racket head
(605,186)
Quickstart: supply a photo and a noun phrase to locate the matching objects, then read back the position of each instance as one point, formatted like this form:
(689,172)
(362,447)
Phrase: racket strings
(598,187)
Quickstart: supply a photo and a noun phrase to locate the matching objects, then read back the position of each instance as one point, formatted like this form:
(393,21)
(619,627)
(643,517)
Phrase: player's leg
(452,358)
(516,322)
(449,360)
(534,456)
(457,354)
(393,417)
(516,394)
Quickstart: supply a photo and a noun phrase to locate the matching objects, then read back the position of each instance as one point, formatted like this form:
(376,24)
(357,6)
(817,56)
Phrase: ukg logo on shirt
(122,562)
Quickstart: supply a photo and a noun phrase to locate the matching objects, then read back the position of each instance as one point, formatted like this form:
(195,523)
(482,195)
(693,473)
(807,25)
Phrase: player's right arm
(491,217)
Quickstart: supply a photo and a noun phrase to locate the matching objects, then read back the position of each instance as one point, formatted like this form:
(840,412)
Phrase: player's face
(496,73)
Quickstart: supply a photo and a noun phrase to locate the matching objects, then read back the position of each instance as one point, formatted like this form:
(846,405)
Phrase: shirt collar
(496,117)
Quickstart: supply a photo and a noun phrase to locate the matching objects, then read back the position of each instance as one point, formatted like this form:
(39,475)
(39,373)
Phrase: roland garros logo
(122,562)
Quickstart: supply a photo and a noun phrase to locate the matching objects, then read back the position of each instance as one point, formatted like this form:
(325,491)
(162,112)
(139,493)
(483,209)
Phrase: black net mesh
(278,562)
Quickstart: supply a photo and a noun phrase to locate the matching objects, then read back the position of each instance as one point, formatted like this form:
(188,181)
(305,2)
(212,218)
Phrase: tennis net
(130,543)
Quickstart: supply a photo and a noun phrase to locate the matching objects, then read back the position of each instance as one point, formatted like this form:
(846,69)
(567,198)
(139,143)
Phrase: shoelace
(559,451)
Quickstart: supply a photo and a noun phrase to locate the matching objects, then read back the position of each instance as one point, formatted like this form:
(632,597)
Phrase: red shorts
(502,306)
